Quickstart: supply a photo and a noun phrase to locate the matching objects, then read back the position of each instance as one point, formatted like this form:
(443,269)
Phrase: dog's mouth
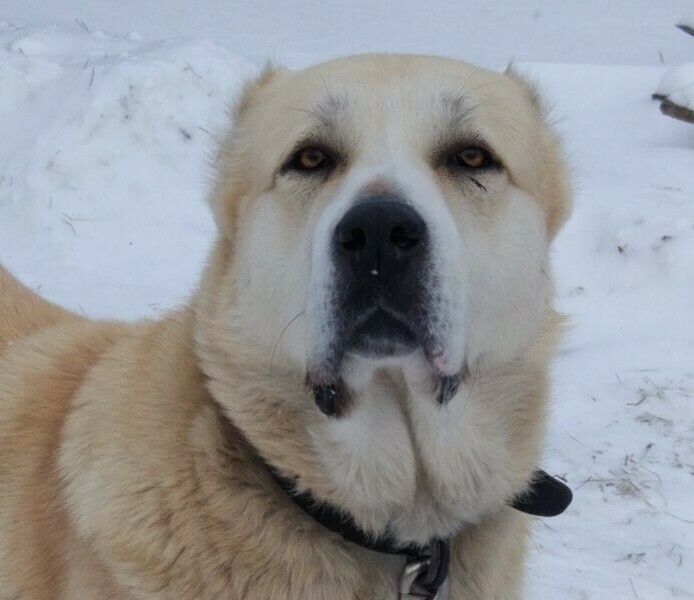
(382,334)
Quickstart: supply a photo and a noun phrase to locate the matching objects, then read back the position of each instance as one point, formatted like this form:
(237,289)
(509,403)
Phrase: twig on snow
(82,24)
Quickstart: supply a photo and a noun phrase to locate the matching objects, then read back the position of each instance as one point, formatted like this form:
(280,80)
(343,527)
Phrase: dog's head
(385,230)
(387,207)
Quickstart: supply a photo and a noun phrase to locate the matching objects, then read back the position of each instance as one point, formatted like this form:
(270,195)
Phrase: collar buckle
(426,575)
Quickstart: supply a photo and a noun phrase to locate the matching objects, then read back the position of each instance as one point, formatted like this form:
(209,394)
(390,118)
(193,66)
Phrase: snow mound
(684,96)
(686,23)
(95,126)
(675,79)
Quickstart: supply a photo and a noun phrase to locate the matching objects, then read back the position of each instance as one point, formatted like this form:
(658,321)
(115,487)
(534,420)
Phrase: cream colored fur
(124,473)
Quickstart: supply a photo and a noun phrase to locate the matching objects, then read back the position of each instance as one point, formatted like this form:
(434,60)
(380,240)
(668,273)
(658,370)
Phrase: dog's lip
(381,322)
(416,336)
(380,334)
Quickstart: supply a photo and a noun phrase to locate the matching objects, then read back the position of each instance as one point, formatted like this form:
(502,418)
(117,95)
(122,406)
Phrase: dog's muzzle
(386,297)
(380,250)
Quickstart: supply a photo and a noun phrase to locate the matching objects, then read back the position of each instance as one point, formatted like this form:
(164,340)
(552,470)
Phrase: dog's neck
(545,496)
(428,564)
(279,432)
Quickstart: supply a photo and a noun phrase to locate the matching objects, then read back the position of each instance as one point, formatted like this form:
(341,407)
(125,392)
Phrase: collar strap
(546,496)
(339,522)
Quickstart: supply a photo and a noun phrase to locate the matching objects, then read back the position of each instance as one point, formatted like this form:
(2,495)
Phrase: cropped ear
(554,188)
(245,100)
(529,86)
(231,181)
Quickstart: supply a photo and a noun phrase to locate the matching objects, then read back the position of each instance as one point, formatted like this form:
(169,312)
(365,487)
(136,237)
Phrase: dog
(370,339)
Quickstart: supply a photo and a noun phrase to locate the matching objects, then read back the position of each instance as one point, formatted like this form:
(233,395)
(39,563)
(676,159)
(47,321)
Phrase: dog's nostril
(356,240)
(402,239)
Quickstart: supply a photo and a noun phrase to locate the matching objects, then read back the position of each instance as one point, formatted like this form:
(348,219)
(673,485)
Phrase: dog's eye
(473,157)
(310,159)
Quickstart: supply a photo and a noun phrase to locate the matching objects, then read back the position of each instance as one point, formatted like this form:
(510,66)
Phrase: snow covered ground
(104,143)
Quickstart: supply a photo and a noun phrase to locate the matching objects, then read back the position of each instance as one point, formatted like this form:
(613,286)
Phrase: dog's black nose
(379,239)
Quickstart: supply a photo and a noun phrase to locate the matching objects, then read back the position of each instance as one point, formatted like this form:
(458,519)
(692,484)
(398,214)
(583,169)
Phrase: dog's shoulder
(23,311)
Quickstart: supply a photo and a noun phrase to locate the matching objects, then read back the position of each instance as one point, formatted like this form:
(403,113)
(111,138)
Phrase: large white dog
(358,384)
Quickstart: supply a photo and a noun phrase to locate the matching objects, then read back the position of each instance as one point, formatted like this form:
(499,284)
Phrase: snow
(684,96)
(486,33)
(687,22)
(623,431)
(675,79)
(677,85)
(104,152)
(94,129)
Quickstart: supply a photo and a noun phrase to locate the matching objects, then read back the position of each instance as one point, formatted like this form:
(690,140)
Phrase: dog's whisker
(279,339)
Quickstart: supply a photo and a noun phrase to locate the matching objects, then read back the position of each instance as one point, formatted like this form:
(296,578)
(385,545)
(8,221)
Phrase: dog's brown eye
(473,157)
(310,159)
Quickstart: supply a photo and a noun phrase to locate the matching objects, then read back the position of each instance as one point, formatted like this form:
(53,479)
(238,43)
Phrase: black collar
(546,496)
(427,566)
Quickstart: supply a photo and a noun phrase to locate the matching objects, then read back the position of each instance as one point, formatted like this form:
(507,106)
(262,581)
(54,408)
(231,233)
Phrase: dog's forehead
(417,86)
(376,76)
(383,81)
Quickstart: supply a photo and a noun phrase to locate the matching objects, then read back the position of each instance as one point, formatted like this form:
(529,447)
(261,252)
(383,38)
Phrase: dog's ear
(250,90)
(529,86)
(229,169)
(554,188)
